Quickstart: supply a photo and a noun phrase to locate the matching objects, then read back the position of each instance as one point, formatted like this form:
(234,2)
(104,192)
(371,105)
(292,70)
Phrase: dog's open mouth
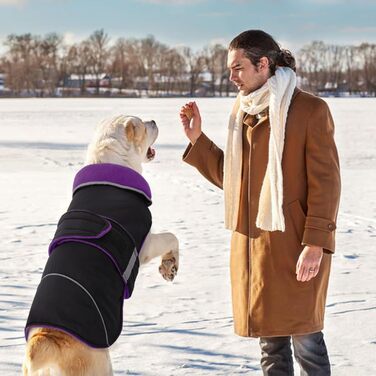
(150,154)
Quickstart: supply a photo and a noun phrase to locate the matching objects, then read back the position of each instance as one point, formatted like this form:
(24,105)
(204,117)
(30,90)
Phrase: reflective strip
(88,293)
(130,266)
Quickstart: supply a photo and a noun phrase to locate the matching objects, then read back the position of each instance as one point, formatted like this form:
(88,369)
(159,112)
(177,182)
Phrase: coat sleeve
(207,158)
(323,179)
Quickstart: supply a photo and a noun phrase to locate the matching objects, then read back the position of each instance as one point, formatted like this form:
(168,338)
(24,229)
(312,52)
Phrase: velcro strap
(79,225)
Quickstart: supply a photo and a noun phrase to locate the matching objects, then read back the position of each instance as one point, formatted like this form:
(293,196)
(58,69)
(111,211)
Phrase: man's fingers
(185,122)
(314,271)
(300,272)
(303,275)
(297,267)
(309,263)
(184,119)
(185,107)
(306,272)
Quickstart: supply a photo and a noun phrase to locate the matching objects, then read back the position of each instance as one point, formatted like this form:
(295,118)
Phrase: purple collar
(112,174)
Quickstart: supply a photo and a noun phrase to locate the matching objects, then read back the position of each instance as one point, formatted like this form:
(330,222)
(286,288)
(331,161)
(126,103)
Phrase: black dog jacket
(93,257)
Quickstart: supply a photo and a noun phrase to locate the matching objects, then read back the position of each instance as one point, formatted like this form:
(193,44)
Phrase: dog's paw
(168,267)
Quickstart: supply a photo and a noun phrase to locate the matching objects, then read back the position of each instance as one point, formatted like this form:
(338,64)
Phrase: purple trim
(64,239)
(126,294)
(66,331)
(112,174)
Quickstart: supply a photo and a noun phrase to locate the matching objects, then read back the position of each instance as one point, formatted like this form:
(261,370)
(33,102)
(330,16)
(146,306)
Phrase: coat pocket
(298,218)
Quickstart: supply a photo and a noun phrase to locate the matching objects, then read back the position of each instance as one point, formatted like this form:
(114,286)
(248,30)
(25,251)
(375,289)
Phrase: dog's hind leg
(25,370)
(82,360)
(165,245)
(100,363)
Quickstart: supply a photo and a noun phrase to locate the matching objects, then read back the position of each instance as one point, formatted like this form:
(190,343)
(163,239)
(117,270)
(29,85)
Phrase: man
(280,175)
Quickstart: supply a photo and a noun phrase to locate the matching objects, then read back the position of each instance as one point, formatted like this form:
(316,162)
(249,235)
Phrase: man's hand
(192,126)
(309,262)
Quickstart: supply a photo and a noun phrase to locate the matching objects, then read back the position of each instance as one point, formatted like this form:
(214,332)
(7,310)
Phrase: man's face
(244,74)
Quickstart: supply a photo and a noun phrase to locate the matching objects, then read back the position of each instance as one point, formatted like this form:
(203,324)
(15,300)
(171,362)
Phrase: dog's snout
(153,122)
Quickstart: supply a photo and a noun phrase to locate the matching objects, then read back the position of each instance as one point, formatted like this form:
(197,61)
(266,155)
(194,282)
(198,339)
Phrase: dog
(93,259)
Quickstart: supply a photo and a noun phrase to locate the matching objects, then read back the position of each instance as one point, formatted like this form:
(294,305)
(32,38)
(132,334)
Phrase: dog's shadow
(206,359)
(190,357)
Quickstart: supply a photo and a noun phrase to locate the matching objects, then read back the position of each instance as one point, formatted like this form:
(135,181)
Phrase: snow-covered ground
(183,328)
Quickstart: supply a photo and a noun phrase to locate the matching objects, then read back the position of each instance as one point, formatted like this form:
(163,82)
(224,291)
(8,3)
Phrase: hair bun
(285,58)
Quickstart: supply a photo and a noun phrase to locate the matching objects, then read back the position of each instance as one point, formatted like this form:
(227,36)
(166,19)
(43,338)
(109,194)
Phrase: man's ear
(263,63)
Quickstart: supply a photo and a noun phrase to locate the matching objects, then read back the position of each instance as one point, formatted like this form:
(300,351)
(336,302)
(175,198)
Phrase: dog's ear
(134,131)
(130,130)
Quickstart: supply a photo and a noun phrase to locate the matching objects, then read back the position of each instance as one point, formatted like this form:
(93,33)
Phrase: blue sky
(195,23)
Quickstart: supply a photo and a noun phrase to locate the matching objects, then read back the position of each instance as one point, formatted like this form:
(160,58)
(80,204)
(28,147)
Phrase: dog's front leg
(165,245)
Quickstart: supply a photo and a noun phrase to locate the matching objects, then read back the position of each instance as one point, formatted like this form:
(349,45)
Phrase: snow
(184,327)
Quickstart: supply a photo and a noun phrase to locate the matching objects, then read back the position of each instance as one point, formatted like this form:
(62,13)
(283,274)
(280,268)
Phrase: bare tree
(19,63)
(173,69)
(310,60)
(195,63)
(334,64)
(368,54)
(150,55)
(98,47)
(350,64)
(216,64)
(121,63)
(47,61)
(79,60)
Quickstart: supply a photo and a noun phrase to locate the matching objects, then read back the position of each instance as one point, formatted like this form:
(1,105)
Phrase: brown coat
(267,298)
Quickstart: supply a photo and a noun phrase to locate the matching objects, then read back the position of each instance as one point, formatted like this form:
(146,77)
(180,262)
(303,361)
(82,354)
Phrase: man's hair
(257,44)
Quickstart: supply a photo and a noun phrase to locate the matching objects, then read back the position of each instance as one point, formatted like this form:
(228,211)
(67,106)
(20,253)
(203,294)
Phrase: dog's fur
(123,140)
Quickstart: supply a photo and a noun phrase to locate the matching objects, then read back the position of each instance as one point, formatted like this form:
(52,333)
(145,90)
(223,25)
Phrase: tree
(195,63)
(47,60)
(150,54)
(368,54)
(78,61)
(98,51)
(19,63)
(173,69)
(216,64)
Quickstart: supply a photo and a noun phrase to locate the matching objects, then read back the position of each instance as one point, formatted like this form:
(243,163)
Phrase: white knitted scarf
(275,93)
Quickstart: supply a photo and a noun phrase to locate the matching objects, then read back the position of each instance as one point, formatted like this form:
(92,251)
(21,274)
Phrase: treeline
(324,68)
(45,66)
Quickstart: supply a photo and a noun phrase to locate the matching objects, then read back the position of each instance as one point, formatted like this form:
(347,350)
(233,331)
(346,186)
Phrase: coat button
(330,226)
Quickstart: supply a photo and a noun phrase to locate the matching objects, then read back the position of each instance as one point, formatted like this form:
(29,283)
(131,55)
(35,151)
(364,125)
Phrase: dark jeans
(309,351)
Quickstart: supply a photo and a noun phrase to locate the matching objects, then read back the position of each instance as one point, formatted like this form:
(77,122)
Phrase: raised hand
(191,119)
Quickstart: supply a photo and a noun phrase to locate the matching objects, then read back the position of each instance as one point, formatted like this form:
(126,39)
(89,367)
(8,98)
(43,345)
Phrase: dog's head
(124,140)
(142,136)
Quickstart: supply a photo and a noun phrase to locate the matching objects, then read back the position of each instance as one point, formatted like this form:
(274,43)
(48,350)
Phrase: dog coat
(93,258)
